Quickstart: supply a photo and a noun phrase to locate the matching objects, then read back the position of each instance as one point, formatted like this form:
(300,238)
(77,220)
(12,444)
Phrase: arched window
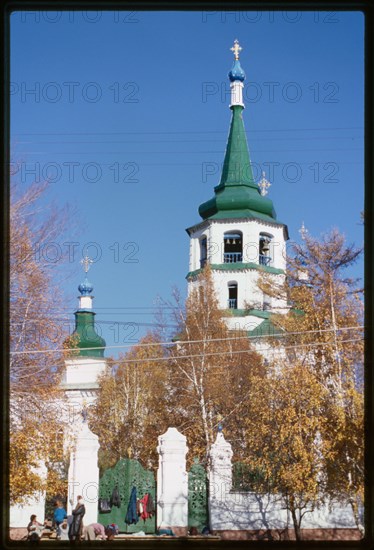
(203,251)
(232,247)
(265,249)
(233,295)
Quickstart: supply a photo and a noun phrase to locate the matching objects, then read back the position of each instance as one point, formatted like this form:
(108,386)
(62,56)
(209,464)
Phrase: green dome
(237,195)
(86,335)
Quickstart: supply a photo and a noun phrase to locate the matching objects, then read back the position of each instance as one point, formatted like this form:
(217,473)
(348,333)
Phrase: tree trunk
(335,329)
(296,522)
(354,506)
(204,417)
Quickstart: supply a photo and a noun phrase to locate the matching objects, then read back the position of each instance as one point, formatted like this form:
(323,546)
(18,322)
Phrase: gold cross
(86,263)
(303,231)
(236,49)
(264,185)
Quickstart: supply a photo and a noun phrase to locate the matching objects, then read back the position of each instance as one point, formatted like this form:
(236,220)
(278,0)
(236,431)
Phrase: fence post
(220,472)
(172,482)
(220,480)
(83,475)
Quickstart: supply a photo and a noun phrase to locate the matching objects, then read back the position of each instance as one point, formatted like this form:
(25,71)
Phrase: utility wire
(221,152)
(185,342)
(194,356)
(182,132)
(183,140)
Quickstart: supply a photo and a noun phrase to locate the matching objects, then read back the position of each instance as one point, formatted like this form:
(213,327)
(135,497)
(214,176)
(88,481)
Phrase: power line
(97,323)
(182,140)
(183,132)
(188,342)
(220,152)
(210,354)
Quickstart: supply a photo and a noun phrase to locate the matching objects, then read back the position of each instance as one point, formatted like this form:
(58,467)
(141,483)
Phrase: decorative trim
(79,386)
(249,313)
(239,266)
(211,221)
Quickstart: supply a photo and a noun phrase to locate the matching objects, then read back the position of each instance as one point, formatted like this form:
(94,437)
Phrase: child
(64,530)
(59,515)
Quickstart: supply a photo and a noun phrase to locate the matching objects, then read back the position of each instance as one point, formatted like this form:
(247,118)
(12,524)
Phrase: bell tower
(239,234)
(86,361)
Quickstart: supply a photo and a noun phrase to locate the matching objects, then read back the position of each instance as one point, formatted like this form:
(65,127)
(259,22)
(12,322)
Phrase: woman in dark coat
(76,526)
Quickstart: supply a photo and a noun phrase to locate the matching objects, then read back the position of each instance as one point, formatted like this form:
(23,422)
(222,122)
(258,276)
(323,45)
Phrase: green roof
(237,195)
(90,344)
(266,328)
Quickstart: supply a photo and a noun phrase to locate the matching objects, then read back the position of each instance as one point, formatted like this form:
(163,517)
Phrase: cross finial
(303,231)
(236,49)
(86,263)
(264,185)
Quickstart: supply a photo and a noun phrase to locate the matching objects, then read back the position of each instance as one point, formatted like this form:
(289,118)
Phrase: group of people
(68,528)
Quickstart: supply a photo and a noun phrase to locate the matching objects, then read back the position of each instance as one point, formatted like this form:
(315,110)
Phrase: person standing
(59,515)
(76,526)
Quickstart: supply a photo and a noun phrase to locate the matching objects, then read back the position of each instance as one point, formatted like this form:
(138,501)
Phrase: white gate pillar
(172,482)
(220,472)
(83,475)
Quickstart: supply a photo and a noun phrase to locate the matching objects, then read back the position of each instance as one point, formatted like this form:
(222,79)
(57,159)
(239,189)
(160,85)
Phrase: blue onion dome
(236,72)
(85,288)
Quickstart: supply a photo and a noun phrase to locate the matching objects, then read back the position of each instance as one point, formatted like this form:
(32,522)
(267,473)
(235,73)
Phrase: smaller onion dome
(236,72)
(86,287)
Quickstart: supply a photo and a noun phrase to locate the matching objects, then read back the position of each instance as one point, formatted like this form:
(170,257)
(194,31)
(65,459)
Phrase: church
(241,238)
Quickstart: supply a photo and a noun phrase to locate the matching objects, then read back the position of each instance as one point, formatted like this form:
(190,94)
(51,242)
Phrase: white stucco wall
(81,370)
(230,510)
(19,516)
(249,294)
(247,279)
(214,231)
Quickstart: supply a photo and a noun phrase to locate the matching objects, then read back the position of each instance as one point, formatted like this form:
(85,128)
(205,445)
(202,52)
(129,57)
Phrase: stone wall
(233,513)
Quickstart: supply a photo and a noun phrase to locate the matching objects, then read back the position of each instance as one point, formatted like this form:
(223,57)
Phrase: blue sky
(127,114)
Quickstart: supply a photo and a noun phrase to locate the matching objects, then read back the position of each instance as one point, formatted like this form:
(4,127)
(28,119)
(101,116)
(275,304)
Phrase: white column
(85,302)
(237,93)
(172,482)
(83,476)
(220,472)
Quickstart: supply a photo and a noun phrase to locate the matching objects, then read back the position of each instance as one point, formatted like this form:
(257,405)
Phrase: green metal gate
(125,475)
(197,496)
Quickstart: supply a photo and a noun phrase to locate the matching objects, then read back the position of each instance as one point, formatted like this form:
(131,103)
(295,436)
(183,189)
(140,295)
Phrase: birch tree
(34,294)
(131,408)
(323,335)
(211,370)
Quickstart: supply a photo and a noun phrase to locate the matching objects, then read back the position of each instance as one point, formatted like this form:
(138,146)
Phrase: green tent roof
(90,344)
(237,195)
